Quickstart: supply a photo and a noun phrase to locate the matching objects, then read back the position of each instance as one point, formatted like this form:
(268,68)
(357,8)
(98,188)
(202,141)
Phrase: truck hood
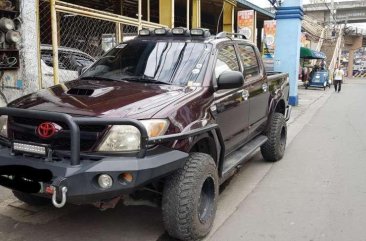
(103,98)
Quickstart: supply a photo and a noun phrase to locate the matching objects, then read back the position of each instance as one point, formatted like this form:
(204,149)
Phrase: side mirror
(230,80)
(81,70)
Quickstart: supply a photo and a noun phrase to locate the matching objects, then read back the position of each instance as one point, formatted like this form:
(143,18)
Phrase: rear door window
(250,61)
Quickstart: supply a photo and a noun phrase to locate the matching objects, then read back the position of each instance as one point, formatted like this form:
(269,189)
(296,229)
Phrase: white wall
(28,72)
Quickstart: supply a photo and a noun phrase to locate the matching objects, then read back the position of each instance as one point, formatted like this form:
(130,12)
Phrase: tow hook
(62,194)
(59,191)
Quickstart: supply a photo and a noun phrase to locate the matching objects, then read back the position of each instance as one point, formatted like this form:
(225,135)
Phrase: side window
(226,60)
(63,61)
(250,62)
(47,57)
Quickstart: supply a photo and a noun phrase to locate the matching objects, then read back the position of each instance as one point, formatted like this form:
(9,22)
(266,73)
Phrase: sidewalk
(310,100)
(246,180)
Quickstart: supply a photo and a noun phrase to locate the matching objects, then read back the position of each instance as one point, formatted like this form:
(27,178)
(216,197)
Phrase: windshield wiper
(145,79)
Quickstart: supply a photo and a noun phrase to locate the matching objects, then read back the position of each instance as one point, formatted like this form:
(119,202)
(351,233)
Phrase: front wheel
(274,149)
(190,198)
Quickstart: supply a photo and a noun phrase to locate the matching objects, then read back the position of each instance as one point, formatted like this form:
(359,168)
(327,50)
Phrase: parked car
(71,62)
(168,116)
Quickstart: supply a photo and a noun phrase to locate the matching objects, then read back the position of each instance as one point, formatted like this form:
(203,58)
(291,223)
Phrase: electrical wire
(273,3)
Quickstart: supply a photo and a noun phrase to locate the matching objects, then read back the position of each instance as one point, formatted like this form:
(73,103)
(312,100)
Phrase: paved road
(318,191)
(23,223)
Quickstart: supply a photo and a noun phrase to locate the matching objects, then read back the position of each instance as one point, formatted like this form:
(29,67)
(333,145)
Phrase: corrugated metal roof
(256,8)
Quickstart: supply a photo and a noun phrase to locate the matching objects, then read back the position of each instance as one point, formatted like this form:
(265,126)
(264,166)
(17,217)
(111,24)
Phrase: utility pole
(287,54)
(332,13)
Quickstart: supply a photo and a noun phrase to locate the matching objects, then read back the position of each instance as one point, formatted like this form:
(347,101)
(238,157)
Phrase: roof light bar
(144,32)
(179,31)
(160,31)
(197,32)
(200,32)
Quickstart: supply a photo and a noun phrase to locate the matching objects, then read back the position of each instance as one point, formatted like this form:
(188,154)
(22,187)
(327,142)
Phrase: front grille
(24,129)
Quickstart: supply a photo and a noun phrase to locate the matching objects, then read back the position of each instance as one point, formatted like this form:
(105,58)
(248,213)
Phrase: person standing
(338,79)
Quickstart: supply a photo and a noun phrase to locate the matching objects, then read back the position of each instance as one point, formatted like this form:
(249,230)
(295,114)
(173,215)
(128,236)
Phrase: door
(231,107)
(258,88)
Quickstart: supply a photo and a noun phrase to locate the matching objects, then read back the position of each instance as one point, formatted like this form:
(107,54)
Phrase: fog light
(126,177)
(105,181)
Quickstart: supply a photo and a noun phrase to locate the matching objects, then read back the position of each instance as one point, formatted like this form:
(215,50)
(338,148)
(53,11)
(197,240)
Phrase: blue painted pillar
(288,34)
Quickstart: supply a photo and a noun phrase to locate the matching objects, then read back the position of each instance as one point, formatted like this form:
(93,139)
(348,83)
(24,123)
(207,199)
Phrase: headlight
(126,138)
(4,126)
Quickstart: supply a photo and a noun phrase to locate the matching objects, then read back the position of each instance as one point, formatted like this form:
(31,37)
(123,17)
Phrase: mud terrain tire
(274,149)
(190,198)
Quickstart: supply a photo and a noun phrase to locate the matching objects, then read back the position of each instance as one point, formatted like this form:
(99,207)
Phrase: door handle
(245,94)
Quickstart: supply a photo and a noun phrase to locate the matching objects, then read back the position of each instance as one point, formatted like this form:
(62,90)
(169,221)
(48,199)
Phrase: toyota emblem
(47,130)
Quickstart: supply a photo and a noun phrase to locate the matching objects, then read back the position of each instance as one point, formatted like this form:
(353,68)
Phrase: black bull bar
(74,122)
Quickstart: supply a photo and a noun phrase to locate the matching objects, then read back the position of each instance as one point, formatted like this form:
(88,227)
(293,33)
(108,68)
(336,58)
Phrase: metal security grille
(83,35)
(86,34)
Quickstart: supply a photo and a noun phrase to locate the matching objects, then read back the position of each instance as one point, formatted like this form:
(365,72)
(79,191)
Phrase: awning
(250,5)
(306,53)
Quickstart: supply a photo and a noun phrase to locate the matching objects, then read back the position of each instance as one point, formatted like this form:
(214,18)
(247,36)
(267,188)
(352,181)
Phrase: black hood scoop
(80,92)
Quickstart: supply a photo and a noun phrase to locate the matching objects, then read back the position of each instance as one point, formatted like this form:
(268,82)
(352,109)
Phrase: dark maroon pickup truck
(168,116)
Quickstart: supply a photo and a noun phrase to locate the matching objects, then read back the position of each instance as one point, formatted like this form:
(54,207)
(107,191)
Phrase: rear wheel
(274,149)
(190,198)
(31,199)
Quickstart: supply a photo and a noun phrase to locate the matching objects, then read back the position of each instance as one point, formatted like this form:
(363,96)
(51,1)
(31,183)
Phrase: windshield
(172,62)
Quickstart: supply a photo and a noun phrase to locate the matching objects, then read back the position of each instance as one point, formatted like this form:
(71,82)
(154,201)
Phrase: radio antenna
(218,21)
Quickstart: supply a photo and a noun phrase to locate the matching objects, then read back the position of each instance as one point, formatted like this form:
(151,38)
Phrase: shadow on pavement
(86,223)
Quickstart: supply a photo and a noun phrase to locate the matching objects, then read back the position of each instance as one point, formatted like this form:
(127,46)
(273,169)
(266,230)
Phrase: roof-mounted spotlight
(160,31)
(144,32)
(200,32)
(179,31)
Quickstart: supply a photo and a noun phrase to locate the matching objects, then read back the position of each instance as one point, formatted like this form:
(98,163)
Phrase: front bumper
(75,176)
(28,174)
